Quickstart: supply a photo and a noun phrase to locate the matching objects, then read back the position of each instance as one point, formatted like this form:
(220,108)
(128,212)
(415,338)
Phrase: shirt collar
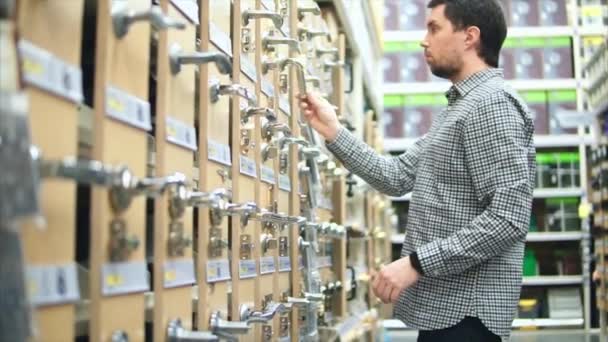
(463,87)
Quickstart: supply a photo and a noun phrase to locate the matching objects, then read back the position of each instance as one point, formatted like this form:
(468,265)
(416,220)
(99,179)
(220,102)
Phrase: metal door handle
(177,58)
(276,18)
(177,333)
(309,9)
(122,19)
(216,90)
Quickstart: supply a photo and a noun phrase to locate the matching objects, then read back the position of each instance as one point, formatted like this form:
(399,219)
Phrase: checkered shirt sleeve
(394,176)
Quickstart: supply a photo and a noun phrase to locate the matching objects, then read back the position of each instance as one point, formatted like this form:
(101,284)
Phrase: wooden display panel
(122,63)
(175,97)
(284,284)
(267,285)
(339,187)
(54,128)
(214,141)
(245,187)
(294,202)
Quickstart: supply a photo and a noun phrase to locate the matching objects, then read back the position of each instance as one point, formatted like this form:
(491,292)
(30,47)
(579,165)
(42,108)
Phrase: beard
(447,70)
(444,71)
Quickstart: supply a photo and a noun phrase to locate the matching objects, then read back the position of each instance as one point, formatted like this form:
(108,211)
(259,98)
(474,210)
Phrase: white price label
(181,134)
(248,167)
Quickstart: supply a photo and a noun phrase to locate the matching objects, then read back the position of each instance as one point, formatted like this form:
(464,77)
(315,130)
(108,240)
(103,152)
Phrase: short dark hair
(487,15)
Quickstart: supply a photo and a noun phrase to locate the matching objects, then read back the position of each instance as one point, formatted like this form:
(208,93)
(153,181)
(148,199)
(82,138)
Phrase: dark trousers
(470,329)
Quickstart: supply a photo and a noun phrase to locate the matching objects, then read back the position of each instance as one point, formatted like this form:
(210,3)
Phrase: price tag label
(44,70)
(218,270)
(218,152)
(124,277)
(247,269)
(284,264)
(248,167)
(179,273)
(189,8)
(181,134)
(267,265)
(220,39)
(52,284)
(248,68)
(128,108)
(267,174)
(284,183)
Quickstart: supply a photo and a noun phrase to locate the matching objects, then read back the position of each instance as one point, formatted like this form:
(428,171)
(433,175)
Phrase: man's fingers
(394,296)
(386,293)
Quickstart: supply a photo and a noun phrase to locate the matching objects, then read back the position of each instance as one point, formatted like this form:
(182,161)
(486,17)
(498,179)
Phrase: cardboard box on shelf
(391,63)
(557,58)
(412,14)
(528,54)
(524,13)
(560,100)
(404,62)
(537,103)
(506,60)
(391,15)
(410,116)
(552,13)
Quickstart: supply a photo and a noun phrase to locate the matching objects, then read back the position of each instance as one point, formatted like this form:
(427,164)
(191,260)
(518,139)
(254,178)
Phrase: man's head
(463,35)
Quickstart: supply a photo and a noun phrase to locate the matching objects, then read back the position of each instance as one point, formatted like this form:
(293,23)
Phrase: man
(471,178)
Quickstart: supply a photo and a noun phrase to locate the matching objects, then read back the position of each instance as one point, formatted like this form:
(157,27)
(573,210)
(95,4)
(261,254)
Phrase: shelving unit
(579,141)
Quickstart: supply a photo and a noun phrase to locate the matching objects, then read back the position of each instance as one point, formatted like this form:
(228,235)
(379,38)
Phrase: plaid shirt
(472,182)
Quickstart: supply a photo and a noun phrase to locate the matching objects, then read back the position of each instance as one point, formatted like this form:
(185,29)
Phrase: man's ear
(472,36)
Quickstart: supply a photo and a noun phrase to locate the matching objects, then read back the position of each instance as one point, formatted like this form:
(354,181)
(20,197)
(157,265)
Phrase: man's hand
(393,279)
(321,115)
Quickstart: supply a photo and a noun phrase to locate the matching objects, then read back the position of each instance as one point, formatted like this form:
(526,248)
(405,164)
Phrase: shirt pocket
(446,153)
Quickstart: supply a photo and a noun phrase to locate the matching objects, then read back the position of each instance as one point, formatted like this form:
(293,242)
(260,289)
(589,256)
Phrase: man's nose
(424,43)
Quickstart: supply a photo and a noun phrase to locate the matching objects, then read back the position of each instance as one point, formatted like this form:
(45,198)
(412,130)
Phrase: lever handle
(309,152)
(298,302)
(123,18)
(277,18)
(269,151)
(226,329)
(177,333)
(252,317)
(81,171)
(314,297)
(177,58)
(327,65)
(245,211)
(270,128)
(282,142)
(327,51)
(125,186)
(248,112)
(216,90)
(268,43)
(309,9)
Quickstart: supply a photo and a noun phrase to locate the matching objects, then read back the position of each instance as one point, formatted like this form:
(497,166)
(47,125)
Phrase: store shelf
(532,237)
(552,193)
(554,236)
(553,280)
(411,88)
(548,322)
(513,32)
(540,141)
(562,140)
